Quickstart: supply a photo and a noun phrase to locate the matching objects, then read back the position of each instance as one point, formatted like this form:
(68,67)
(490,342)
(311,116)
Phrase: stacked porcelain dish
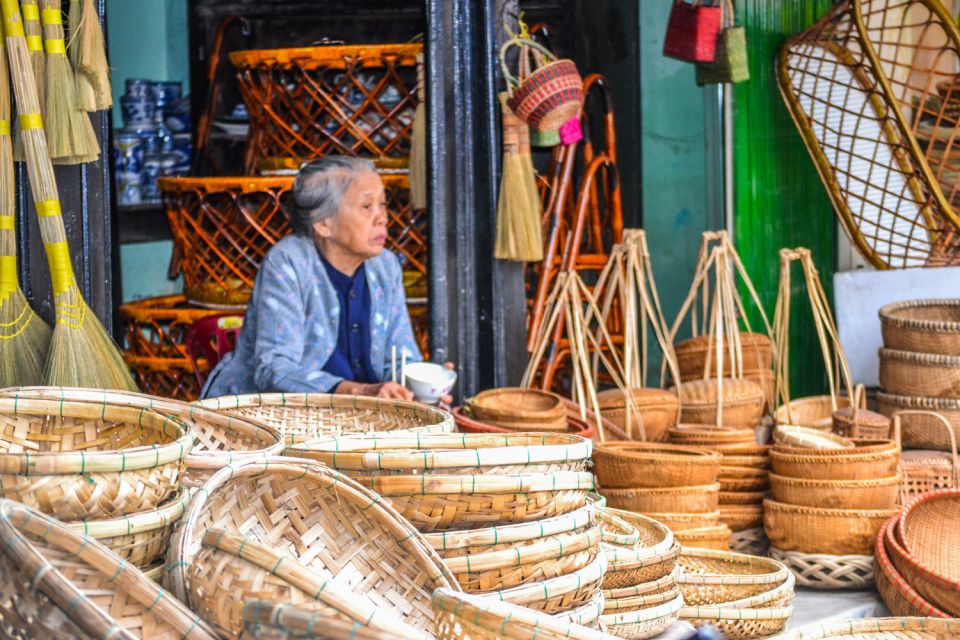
(641,598)
(676,485)
(830,496)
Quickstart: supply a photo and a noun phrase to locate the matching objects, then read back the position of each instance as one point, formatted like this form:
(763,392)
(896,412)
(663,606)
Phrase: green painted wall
(780,200)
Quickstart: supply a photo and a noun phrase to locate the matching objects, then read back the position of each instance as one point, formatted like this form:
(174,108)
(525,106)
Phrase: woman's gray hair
(319,188)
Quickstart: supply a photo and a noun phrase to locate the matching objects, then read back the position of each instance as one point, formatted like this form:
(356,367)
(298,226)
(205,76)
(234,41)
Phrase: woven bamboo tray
(897,594)
(86,461)
(220,439)
(643,623)
(267,620)
(557,595)
(860,463)
(822,531)
(686,521)
(881,493)
(922,326)
(710,435)
(658,408)
(815,412)
(462,616)
(825,571)
(806,438)
(938,590)
(141,538)
(906,373)
(519,409)
(498,558)
(694,499)
(643,464)
(882,629)
(712,577)
(742,402)
(58,583)
(653,557)
(636,603)
(921,426)
(457,481)
(739,623)
(664,583)
(587,615)
(692,355)
(713,537)
(740,517)
(614,530)
(303,416)
(929,528)
(351,537)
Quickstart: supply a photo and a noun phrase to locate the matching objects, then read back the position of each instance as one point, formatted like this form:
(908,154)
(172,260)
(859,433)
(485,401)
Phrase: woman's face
(360,228)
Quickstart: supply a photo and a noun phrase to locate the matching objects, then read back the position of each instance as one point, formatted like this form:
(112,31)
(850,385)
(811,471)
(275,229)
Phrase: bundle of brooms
(81,353)
(89,57)
(24,337)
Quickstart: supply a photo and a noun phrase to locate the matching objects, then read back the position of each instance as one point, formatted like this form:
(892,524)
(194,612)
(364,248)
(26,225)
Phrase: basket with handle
(828,571)
(352,538)
(647,464)
(922,326)
(59,583)
(86,460)
(850,84)
(692,31)
(545,94)
(269,620)
(897,594)
(459,481)
(855,422)
(922,419)
(880,629)
(822,530)
(925,471)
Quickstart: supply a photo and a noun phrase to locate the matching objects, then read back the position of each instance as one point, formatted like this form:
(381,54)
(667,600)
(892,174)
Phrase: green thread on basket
(159,597)
(77,599)
(277,564)
(114,628)
(119,570)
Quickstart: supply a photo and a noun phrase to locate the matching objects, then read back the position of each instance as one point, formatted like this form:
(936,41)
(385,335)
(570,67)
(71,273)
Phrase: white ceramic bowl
(429,381)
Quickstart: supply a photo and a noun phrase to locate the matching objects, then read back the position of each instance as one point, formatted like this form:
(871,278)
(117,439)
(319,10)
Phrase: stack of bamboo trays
(641,599)
(830,496)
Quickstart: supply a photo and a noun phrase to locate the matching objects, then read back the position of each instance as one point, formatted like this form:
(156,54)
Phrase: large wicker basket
(58,583)
(922,326)
(221,439)
(937,589)
(458,481)
(864,462)
(879,493)
(730,402)
(907,373)
(929,527)
(519,409)
(304,416)
(881,629)
(640,464)
(658,408)
(816,530)
(923,420)
(693,499)
(82,460)
(337,530)
(694,355)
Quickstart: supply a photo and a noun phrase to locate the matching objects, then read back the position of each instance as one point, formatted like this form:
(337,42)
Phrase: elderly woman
(328,304)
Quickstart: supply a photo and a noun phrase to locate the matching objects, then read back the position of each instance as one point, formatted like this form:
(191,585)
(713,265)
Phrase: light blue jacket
(290,328)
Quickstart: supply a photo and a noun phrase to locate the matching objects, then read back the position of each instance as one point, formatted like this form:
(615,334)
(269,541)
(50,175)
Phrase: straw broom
(24,337)
(34,32)
(81,352)
(88,56)
(519,235)
(70,135)
(418,144)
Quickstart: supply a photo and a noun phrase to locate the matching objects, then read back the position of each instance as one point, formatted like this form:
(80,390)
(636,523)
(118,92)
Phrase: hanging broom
(418,144)
(519,236)
(34,34)
(81,352)
(88,56)
(70,135)
(24,337)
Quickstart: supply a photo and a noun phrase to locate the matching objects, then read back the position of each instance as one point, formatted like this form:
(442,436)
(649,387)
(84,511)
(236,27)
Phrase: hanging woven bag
(546,94)
(692,31)
(730,61)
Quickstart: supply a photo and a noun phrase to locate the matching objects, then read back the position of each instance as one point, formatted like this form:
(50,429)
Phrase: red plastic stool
(212,338)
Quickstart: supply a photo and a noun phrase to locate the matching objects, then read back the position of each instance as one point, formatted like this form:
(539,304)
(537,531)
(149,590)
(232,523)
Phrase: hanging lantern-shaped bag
(692,31)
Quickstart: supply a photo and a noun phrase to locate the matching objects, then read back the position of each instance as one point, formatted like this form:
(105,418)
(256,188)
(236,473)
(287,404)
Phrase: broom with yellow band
(81,353)
(88,56)
(70,135)
(24,337)
(34,35)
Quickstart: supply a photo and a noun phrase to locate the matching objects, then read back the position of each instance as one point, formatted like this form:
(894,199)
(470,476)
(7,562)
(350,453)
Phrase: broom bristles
(418,145)
(519,236)
(89,57)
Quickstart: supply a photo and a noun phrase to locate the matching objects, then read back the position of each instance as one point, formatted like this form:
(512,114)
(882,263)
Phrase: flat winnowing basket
(58,583)
(881,629)
(737,623)
(560,594)
(84,460)
(335,528)
(843,102)
(221,439)
(303,416)
(922,326)
(268,620)
(827,531)
(711,577)
(643,623)
(646,464)
(825,571)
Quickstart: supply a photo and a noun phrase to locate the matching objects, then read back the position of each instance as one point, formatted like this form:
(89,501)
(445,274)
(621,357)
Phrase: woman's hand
(446,401)
(387,389)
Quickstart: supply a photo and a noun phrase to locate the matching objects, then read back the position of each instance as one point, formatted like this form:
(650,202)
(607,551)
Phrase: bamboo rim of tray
(621,559)
(169,512)
(640,601)
(199,457)
(428,484)
(732,613)
(777,572)
(644,588)
(303,623)
(430,451)
(585,614)
(655,538)
(644,615)
(878,625)
(888,315)
(502,534)
(111,461)
(332,56)
(293,572)
(15,517)
(554,587)
(616,531)
(555,547)
(492,615)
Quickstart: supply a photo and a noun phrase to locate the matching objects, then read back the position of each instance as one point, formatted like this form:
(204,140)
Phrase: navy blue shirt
(350,359)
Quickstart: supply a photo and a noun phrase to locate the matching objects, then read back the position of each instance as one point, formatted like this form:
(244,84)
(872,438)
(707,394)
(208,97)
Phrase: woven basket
(861,463)
(694,499)
(641,464)
(497,558)
(897,594)
(815,412)
(338,530)
(922,419)
(303,416)
(460,616)
(930,529)
(220,439)
(693,353)
(853,422)
(739,623)
(643,623)
(925,471)
(658,408)
(742,402)
(686,521)
(882,629)
(806,438)
(822,531)
(709,435)
(636,603)
(711,577)
(752,542)
(141,538)
(664,583)
(58,583)
(654,557)
(740,517)
(907,373)
(557,595)
(587,615)
(713,537)
(268,620)
(938,590)
(824,571)
(466,424)
(728,498)
(519,409)
(547,97)
(922,326)
(616,531)
(881,493)
(457,481)
(743,479)
(85,461)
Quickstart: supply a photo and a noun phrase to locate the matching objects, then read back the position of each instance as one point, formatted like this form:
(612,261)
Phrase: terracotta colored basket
(907,373)
(922,429)
(659,409)
(880,493)
(641,464)
(58,583)
(550,96)
(882,629)
(896,592)
(84,460)
(691,499)
(936,589)
(742,402)
(929,527)
(353,542)
(693,354)
(816,530)
(713,537)
(922,326)
(518,409)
